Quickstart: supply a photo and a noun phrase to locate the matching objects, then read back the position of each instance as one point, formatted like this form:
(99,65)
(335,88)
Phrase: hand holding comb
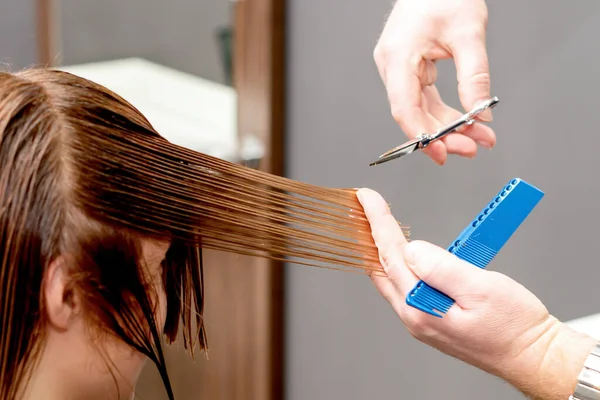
(482,239)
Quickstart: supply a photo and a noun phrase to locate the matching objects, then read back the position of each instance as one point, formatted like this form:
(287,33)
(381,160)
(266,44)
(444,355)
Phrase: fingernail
(359,194)
(363,195)
(485,144)
(410,253)
(486,116)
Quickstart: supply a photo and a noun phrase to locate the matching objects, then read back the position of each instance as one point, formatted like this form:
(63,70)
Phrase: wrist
(549,368)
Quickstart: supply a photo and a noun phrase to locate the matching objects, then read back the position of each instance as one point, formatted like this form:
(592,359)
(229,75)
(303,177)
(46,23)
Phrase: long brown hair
(84,173)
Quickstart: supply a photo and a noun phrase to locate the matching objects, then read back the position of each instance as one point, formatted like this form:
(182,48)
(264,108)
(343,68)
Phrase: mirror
(174,61)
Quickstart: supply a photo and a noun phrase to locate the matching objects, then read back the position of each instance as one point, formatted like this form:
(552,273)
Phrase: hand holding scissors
(423,140)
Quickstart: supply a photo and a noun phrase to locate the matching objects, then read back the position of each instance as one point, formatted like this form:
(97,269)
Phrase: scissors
(423,140)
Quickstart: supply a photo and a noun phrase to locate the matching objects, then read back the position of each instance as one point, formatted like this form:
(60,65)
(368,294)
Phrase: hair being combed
(83,172)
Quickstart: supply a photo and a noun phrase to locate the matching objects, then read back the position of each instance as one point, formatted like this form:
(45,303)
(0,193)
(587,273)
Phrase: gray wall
(177,33)
(18,45)
(344,341)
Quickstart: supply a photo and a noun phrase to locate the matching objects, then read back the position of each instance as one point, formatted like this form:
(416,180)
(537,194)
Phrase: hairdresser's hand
(496,324)
(417,33)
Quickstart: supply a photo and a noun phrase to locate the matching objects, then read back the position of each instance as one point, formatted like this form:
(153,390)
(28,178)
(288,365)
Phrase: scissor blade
(397,152)
(395,149)
(402,147)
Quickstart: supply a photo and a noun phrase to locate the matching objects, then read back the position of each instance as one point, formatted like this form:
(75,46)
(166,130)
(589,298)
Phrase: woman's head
(101,225)
(90,278)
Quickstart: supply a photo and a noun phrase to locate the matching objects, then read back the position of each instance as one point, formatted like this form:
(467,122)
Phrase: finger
(403,85)
(456,143)
(388,238)
(388,291)
(452,143)
(460,145)
(479,133)
(404,80)
(442,270)
(437,150)
(472,69)
(428,73)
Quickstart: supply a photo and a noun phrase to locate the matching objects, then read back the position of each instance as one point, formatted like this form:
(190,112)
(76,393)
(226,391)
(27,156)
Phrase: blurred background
(298,77)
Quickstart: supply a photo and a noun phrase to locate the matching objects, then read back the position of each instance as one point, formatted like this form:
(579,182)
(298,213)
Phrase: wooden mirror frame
(245,299)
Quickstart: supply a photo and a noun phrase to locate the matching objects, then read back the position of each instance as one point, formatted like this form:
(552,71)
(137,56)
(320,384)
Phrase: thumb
(472,72)
(442,270)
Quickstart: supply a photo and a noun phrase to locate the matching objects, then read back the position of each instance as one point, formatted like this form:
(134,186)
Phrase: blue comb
(479,242)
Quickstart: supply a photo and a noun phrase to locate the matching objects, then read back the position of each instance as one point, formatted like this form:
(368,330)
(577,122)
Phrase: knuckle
(418,326)
(381,52)
(415,62)
(389,265)
(431,73)
(401,114)
(481,80)
(389,294)
(378,54)
(384,259)
(470,32)
(397,111)
(484,16)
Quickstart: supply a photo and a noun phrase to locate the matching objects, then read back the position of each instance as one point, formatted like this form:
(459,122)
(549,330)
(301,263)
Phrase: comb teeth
(428,299)
(482,239)
(478,254)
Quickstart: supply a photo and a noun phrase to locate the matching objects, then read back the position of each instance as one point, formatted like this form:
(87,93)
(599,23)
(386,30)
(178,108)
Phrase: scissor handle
(465,119)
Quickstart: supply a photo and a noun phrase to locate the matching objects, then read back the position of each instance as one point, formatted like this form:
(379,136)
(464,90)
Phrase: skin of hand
(496,324)
(416,34)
